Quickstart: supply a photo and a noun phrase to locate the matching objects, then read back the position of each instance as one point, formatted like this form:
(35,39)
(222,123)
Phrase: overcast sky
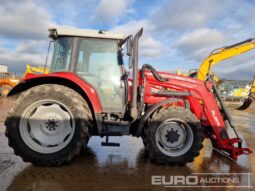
(177,34)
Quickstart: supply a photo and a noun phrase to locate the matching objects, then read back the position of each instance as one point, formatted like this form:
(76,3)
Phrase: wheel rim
(174,137)
(47,126)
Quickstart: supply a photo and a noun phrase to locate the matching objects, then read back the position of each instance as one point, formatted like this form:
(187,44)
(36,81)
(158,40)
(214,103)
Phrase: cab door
(97,64)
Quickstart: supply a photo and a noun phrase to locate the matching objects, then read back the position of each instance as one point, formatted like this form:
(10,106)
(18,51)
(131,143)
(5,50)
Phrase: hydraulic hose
(154,72)
(141,89)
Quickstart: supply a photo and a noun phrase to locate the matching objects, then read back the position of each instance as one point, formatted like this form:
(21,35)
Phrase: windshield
(62,54)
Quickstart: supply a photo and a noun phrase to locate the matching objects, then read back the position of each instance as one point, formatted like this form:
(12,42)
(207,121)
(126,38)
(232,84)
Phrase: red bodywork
(201,100)
(88,90)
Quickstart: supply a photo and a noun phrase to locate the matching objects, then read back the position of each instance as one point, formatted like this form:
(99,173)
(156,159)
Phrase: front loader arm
(220,139)
(221,54)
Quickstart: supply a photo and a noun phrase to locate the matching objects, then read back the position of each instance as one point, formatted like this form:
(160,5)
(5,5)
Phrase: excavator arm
(221,54)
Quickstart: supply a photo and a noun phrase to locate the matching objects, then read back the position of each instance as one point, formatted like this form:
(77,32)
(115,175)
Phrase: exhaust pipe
(134,113)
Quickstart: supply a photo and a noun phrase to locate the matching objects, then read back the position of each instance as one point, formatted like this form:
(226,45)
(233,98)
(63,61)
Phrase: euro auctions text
(228,180)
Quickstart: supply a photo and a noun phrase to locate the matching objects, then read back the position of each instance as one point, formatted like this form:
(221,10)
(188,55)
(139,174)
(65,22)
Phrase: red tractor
(89,93)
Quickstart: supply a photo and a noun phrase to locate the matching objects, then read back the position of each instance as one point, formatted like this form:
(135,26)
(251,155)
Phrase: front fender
(62,78)
(150,111)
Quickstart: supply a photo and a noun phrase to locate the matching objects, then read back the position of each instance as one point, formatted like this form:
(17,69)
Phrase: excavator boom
(221,54)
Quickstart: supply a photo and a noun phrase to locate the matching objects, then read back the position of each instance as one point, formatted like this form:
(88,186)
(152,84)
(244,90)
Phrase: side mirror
(129,47)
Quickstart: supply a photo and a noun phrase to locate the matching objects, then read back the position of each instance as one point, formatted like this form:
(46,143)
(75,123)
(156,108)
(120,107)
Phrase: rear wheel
(48,125)
(4,90)
(173,136)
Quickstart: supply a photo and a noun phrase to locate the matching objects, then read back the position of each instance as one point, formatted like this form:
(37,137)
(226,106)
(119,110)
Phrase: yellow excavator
(224,53)
(249,102)
(7,83)
(234,91)
(193,73)
(35,70)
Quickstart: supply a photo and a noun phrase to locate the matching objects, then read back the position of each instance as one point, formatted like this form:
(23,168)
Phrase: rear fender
(66,79)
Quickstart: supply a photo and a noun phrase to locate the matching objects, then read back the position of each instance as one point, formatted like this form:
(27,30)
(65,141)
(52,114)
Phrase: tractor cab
(96,58)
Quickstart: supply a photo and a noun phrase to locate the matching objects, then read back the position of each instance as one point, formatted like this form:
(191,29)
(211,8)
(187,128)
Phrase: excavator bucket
(249,103)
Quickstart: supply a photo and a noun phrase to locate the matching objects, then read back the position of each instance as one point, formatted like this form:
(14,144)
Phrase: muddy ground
(124,168)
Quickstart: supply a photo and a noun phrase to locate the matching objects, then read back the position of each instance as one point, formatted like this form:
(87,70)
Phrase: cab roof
(64,31)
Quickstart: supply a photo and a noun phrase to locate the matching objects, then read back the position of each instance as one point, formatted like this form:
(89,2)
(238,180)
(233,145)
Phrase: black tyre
(145,142)
(4,90)
(48,124)
(173,135)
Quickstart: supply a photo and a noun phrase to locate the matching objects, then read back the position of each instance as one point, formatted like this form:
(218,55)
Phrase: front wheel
(173,135)
(48,124)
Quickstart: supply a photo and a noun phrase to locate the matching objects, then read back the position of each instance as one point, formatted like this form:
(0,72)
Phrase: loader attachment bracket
(236,151)
(233,152)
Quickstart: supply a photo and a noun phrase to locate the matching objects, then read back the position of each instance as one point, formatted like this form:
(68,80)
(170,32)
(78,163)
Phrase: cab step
(110,144)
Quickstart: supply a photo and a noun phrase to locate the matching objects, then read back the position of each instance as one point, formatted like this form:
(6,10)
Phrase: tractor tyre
(48,124)
(4,90)
(145,142)
(174,136)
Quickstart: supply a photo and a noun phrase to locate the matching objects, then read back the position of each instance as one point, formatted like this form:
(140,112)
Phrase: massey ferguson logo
(215,117)
(181,78)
